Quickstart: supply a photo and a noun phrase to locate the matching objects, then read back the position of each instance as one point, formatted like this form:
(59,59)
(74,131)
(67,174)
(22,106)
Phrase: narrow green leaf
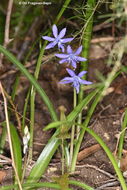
(50,185)
(56,124)
(16,149)
(121,141)
(43,160)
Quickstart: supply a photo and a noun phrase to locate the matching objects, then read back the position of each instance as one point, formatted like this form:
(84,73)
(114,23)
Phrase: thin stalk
(32,111)
(121,140)
(9,137)
(39,61)
(111,157)
(63,155)
(25,110)
(87,33)
(73,130)
(85,124)
(62,110)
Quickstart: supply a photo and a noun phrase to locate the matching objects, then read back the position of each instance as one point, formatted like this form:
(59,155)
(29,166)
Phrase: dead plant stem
(7,26)
(9,136)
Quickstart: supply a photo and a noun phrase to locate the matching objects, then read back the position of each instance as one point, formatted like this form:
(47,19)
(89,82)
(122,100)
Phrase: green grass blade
(16,149)
(111,157)
(121,141)
(32,80)
(43,160)
(79,184)
(56,124)
(85,124)
(50,185)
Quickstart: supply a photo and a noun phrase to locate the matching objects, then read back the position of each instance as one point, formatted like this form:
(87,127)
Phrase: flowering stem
(73,130)
(62,147)
(85,125)
(39,61)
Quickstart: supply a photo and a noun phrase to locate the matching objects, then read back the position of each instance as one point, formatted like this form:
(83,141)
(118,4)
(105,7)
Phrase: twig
(9,136)
(111,184)
(7,26)
(105,39)
(5,158)
(98,169)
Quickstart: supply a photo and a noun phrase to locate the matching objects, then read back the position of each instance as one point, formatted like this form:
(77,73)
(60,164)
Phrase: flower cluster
(71,57)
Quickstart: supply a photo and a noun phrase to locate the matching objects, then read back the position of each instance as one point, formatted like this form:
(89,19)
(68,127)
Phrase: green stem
(32,111)
(25,111)
(121,141)
(63,154)
(73,131)
(111,157)
(85,124)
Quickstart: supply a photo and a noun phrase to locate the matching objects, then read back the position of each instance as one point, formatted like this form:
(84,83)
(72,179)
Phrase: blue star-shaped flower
(71,57)
(75,79)
(58,38)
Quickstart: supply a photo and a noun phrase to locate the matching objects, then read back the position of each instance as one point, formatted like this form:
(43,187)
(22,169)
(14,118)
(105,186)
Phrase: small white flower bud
(26,139)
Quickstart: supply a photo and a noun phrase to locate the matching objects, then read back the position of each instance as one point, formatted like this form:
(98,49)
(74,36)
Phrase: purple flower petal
(77,88)
(66,80)
(55,31)
(48,38)
(66,40)
(61,47)
(73,63)
(78,58)
(51,45)
(63,61)
(82,73)
(69,49)
(71,72)
(85,82)
(62,33)
(78,51)
(61,55)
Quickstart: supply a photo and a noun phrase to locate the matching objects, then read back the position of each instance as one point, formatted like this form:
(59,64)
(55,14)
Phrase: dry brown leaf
(88,151)
(123,161)
(2,176)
